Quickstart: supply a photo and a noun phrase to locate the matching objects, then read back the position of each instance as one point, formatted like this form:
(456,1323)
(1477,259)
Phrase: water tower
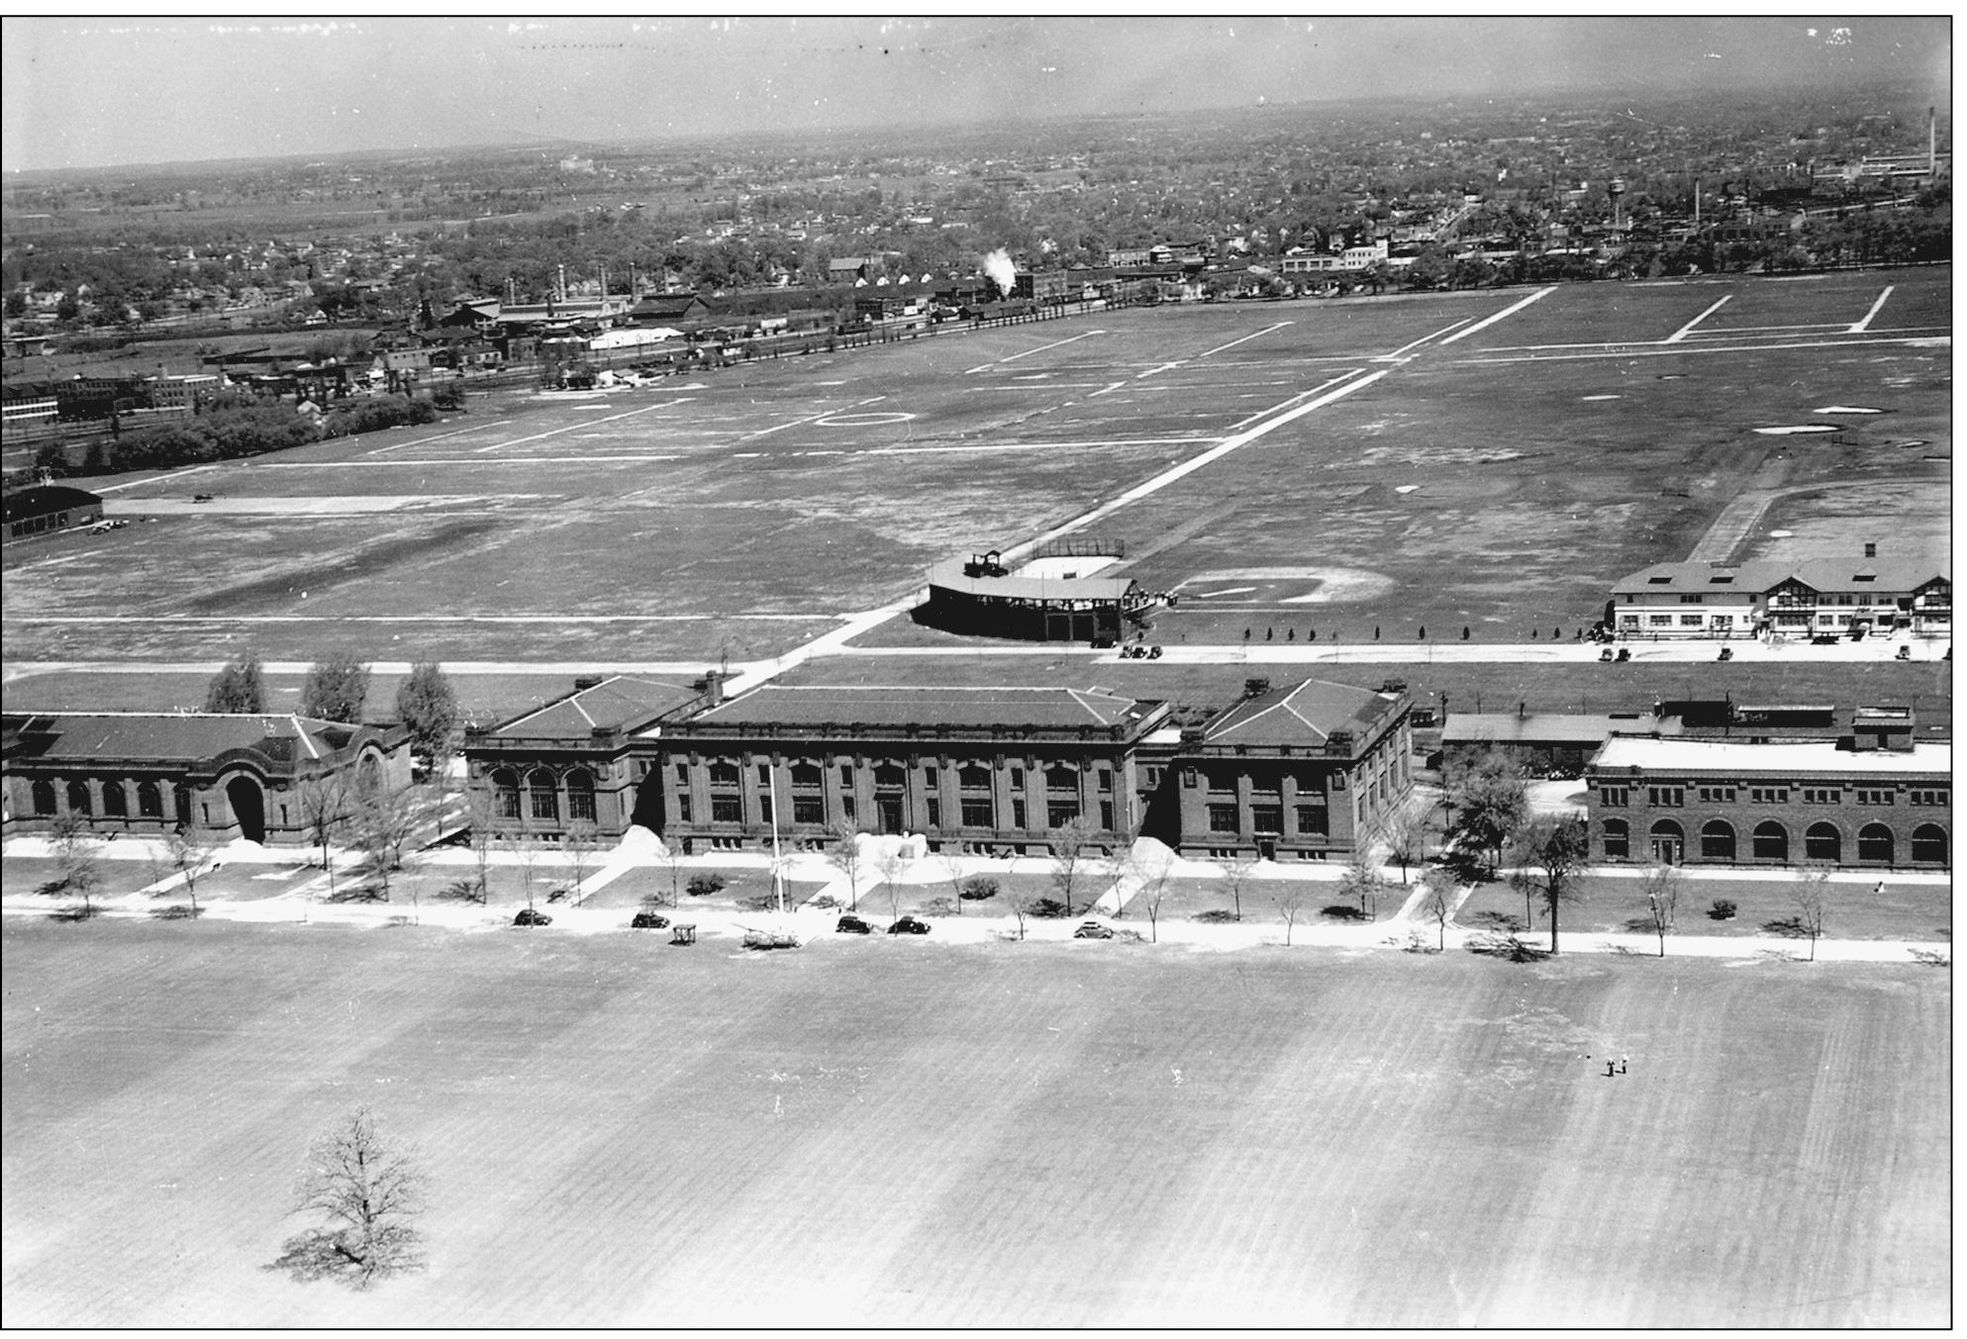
(1616,188)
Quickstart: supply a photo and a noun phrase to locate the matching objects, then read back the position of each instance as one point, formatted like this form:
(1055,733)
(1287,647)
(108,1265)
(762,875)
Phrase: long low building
(1859,596)
(1872,799)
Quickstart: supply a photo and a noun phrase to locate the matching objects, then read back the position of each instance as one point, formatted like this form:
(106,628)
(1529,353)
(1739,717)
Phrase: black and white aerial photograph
(813,672)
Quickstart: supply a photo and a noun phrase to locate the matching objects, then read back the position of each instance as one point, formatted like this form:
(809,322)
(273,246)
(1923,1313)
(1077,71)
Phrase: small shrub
(704,885)
(1722,910)
(1341,912)
(979,889)
(177,911)
(826,902)
(759,902)
(463,890)
(1930,957)
(1047,908)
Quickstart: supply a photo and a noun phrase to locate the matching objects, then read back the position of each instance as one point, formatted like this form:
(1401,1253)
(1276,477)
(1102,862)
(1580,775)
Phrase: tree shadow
(361,893)
(324,1254)
(177,911)
(1506,946)
(1789,927)
(85,912)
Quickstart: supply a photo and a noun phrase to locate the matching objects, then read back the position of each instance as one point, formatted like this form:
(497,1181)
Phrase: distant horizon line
(526,140)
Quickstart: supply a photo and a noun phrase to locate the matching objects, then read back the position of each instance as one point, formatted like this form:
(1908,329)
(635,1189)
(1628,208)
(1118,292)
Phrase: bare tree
(518,841)
(1405,835)
(369,1190)
(1152,871)
(843,852)
(1661,887)
(189,849)
(1556,849)
(1812,896)
(1238,873)
(1438,898)
(384,820)
(480,812)
(893,863)
(1022,902)
(669,858)
(1289,896)
(952,872)
(323,802)
(1072,849)
(77,867)
(1494,803)
(579,839)
(1362,881)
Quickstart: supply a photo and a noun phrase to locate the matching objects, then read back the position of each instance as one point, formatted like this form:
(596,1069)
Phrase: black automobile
(528,916)
(909,925)
(649,920)
(1093,930)
(852,925)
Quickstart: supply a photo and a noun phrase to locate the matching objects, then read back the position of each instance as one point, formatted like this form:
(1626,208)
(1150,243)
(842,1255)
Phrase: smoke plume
(1001,271)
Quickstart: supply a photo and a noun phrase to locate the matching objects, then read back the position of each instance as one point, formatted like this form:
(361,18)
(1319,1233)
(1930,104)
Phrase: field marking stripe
(154,479)
(767,432)
(1194,463)
(1488,321)
(440,437)
(1687,329)
(1028,352)
(366,463)
(190,619)
(1279,325)
(586,423)
(1859,328)
(1771,331)
(1683,350)
(1105,390)
(1389,357)
(1240,423)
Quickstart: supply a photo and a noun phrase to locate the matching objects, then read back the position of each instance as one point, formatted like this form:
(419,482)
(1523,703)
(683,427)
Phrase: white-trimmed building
(1838,597)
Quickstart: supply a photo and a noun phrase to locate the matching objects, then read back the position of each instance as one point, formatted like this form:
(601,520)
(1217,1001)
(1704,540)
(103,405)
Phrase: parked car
(649,920)
(909,925)
(1154,653)
(529,916)
(852,925)
(1824,639)
(1727,653)
(1905,653)
(1625,653)
(1605,656)
(1093,930)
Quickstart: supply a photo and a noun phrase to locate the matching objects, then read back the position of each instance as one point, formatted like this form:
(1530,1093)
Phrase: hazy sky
(87,92)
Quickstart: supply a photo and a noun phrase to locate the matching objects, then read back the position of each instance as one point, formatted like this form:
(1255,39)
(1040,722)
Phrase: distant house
(672,309)
(49,508)
(847,269)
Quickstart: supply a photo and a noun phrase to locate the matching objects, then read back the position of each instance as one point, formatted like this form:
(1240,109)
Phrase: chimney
(712,686)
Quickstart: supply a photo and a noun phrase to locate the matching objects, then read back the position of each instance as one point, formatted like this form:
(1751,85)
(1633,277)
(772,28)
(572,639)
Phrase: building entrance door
(248,806)
(1667,850)
(891,814)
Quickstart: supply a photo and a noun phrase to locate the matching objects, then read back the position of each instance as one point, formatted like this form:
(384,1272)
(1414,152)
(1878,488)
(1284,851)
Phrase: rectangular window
(682,774)
(1267,818)
(847,808)
(978,814)
(1152,776)
(1690,599)
(846,776)
(1768,794)
(724,774)
(580,804)
(1058,813)
(1017,778)
(1222,818)
(1691,620)
(1717,794)
(1659,620)
(935,812)
(808,809)
(1822,795)
(929,777)
(1188,777)
(1615,797)
(1929,797)
(546,804)
(1874,797)
(1018,814)
(508,802)
(1106,814)
(1105,778)
(683,808)
(1311,820)
(1666,797)
(726,809)
(764,774)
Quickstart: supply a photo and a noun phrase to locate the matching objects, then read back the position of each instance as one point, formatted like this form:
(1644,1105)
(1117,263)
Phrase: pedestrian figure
(1622,1064)
(1376,632)
(1311,634)
(1246,634)
(1270,633)
(1290,634)
(1609,1070)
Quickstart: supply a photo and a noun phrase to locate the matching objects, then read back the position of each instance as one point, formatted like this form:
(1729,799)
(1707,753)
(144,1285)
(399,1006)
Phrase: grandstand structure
(1060,593)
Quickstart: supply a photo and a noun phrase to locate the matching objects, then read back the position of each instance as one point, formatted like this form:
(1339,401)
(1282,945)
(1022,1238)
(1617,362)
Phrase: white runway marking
(1687,329)
(1278,325)
(368,464)
(154,479)
(865,420)
(812,418)
(1859,327)
(1390,357)
(1687,350)
(1488,321)
(984,367)
(1106,390)
(440,437)
(1240,423)
(573,427)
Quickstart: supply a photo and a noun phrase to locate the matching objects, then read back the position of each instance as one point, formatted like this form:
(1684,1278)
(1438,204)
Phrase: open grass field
(1441,461)
(913,1133)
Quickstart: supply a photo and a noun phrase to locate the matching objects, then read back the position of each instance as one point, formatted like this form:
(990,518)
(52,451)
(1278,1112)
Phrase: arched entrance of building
(248,803)
(648,812)
(1669,842)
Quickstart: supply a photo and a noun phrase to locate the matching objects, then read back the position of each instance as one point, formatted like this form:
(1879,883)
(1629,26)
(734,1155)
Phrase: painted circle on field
(862,420)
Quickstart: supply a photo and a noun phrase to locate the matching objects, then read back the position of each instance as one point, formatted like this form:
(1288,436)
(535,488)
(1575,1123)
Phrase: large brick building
(1764,793)
(149,773)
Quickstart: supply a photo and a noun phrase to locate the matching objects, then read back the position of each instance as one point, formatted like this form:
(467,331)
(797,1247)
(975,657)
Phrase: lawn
(1002,1135)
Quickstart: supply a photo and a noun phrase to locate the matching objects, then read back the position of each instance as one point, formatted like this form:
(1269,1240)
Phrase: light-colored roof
(900,707)
(613,704)
(950,576)
(1306,713)
(1700,755)
(1542,727)
(1759,575)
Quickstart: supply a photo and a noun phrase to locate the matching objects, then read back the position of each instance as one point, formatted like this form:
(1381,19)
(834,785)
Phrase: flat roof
(1536,728)
(1681,754)
(899,707)
(949,576)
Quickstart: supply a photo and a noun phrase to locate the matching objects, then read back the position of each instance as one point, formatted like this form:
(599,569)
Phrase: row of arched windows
(1876,844)
(537,794)
(115,799)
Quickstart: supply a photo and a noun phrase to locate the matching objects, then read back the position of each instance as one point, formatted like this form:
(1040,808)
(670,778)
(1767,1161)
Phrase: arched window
(368,773)
(1062,779)
(1929,844)
(1875,844)
(150,800)
(115,800)
(580,795)
(1823,842)
(1669,842)
(807,774)
(1771,841)
(1717,841)
(505,794)
(545,794)
(1618,839)
(44,797)
(973,777)
(78,798)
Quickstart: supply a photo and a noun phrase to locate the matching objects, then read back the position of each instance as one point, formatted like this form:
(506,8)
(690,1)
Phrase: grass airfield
(913,1133)
(1495,474)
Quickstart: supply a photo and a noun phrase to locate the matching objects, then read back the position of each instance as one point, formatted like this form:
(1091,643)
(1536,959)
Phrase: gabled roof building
(1866,595)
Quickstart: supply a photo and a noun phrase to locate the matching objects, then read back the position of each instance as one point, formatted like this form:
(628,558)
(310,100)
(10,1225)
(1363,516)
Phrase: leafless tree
(1152,871)
(480,813)
(1238,874)
(1072,850)
(189,850)
(1362,881)
(952,872)
(1661,887)
(1289,896)
(893,863)
(1438,897)
(1022,902)
(1405,835)
(1556,850)
(1812,896)
(843,852)
(518,842)
(369,1190)
(78,870)
(324,803)
(579,839)
(384,820)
